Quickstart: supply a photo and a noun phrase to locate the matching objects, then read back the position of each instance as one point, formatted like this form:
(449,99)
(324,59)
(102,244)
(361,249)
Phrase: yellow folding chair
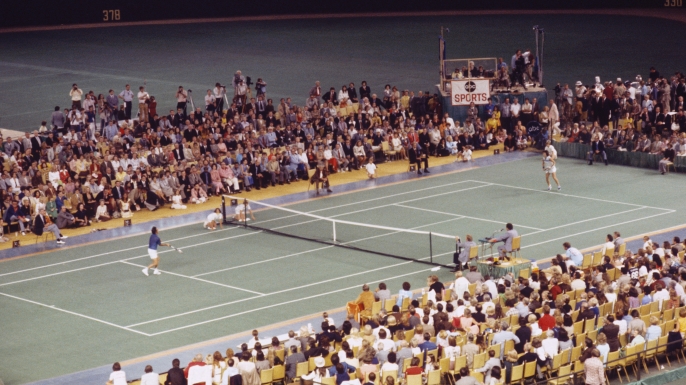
(562,376)
(279,373)
(415,379)
(301,369)
(517,374)
(267,376)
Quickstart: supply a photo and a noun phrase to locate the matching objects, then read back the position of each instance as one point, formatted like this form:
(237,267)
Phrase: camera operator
(181,99)
(261,88)
(237,78)
(75,93)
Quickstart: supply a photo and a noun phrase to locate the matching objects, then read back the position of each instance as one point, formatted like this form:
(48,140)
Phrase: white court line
(571,196)
(465,216)
(232,228)
(109,252)
(121,260)
(268,295)
(599,228)
(264,261)
(592,230)
(285,290)
(282,303)
(379,207)
(371,200)
(198,279)
(323,248)
(76,314)
(588,220)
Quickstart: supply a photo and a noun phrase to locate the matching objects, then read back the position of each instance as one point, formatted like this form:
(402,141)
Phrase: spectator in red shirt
(414,367)
(546,322)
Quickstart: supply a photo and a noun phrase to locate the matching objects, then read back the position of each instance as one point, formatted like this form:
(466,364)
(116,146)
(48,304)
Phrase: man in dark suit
(416,156)
(597,148)
(43,223)
(331,96)
(117,191)
(178,152)
(35,145)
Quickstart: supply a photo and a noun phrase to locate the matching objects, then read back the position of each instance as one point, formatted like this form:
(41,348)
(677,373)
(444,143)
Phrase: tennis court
(95,299)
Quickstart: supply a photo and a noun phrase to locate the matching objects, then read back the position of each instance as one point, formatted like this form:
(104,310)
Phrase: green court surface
(88,306)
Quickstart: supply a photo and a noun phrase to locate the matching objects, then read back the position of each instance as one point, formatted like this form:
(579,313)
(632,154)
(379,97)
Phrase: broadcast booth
(464,81)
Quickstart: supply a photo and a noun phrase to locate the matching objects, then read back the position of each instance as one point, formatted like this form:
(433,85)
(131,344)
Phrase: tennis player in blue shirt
(153,243)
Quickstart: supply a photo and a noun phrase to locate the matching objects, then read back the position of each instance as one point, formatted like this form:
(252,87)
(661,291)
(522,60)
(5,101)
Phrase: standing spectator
(143,100)
(58,119)
(75,93)
(553,118)
(594,370)
(112,102)
(127,96)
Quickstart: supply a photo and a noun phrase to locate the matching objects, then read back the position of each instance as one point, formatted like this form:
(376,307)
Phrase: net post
(224,210)
(431,248)
(245,213)
(334,231)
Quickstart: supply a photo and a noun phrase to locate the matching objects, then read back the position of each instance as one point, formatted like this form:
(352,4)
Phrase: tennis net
(408,244)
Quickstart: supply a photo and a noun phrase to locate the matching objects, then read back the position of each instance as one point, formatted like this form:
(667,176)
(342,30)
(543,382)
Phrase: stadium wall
(36,13)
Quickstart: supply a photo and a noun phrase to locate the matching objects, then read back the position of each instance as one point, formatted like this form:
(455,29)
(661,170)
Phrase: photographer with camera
(181,99)
(75,95)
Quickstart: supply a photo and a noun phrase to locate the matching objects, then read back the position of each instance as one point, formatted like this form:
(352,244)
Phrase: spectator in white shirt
(461,285)
(150,377)
(551,345)
(229,372)
(117,377)
(142,104)
(661,295)
(578,283)
(609,244)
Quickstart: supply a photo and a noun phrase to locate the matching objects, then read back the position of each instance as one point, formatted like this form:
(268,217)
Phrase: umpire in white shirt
(506,239)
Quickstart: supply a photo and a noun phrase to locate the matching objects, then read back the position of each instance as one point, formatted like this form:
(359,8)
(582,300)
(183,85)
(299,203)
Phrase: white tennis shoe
(145,271)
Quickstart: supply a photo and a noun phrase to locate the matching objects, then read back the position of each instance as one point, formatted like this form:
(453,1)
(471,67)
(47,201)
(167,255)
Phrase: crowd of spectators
(478,328)
(645,115)
(98,159)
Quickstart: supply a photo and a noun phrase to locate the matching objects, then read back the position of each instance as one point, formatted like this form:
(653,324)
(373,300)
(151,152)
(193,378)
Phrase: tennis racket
(178,250)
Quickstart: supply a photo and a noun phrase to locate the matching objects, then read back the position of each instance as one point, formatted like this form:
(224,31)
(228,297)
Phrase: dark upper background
(15,13)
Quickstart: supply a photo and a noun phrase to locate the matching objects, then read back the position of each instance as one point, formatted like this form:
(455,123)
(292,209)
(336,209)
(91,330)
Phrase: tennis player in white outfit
(550,169)
(212,220)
